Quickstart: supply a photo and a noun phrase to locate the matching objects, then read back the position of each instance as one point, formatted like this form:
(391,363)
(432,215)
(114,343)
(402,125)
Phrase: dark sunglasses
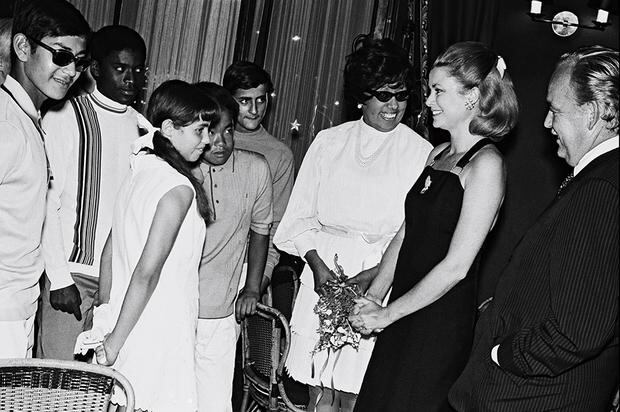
(384,96)
(64,58)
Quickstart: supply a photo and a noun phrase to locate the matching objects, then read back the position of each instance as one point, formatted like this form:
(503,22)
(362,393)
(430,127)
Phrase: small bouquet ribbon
(336,300)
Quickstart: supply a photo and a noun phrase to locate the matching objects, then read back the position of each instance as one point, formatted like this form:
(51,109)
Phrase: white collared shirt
(602,148)
(23,187)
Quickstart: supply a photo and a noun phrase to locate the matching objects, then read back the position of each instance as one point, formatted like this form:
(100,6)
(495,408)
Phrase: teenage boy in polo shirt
(48,54)
(88,143)
(238,184)
(251,87)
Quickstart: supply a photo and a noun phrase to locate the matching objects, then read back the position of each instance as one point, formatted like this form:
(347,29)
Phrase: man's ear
(167,128)
(94,69)
(21,46)
(592,113)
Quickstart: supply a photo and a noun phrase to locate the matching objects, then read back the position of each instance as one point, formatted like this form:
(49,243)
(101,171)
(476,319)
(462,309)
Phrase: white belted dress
(348,199)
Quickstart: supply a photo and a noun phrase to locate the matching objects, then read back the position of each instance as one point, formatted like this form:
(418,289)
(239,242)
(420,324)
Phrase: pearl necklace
(365,161)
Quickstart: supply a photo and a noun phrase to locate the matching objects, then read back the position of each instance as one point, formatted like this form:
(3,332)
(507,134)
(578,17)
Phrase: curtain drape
(305,55)
(97,13)
(406,22)
(192,40)
(453,21)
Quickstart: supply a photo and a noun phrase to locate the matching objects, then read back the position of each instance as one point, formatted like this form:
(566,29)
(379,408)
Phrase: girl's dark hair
(222,97)
(183,104)
(473,64)
(374,64)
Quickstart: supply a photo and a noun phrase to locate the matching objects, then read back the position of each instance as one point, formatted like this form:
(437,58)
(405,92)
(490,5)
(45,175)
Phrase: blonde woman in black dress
(425,332)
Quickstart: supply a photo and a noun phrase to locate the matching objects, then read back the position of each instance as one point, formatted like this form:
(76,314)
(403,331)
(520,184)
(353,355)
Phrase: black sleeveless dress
(417,358)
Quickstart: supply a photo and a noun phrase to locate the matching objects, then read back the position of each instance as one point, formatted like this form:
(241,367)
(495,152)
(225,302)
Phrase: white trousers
(17,338)
(216,343)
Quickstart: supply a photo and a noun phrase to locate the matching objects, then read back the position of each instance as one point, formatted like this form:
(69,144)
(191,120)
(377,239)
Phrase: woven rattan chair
(265,340)
(43,385)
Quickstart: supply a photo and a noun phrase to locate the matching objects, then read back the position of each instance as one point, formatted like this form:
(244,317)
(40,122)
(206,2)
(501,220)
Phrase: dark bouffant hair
(115,38)
(5,44)
(594,78)
(183,104)
(246,75)
(42,18)
(473,64)
(374,64)
(222,97)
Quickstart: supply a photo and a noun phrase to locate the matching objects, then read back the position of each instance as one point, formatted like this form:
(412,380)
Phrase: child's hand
(246,304)
(105,353)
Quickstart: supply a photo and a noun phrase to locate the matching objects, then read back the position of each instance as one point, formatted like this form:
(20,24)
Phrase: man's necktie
(565,183)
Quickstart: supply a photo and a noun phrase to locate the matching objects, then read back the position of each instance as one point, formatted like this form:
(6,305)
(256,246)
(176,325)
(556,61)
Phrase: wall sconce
(566,23)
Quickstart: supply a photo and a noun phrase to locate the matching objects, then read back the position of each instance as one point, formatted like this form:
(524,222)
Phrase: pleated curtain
(305,50)
(191,40)
(305,53)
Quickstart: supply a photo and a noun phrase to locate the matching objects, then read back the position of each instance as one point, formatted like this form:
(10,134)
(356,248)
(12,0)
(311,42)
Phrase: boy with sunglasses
(37,74)
(88,142)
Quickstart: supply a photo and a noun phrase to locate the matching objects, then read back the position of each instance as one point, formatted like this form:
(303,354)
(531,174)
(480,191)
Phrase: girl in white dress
(348,200)
(150,262)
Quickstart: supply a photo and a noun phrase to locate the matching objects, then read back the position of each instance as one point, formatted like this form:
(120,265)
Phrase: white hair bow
(146,140)
(501,66)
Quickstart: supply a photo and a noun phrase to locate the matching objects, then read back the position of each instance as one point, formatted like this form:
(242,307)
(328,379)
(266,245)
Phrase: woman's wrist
(112,343)
(390,315)
(371,296)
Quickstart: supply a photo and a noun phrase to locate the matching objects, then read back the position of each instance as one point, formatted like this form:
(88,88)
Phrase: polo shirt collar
(22,98)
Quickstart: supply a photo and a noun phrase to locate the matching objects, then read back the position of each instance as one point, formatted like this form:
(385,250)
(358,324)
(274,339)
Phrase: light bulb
(602,16)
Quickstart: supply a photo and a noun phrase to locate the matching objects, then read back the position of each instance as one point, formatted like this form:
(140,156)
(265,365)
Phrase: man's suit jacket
(555,312)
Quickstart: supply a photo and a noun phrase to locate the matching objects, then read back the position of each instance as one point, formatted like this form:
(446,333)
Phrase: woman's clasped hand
(368,316)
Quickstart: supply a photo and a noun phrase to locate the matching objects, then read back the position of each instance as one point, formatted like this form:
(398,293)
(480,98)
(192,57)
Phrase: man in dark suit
(549,340)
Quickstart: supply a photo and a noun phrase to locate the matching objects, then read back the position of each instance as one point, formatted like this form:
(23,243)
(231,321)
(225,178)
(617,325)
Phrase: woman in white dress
(348,200)
(150,262)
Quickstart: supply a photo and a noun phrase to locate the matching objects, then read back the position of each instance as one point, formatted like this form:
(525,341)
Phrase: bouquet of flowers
(336,300)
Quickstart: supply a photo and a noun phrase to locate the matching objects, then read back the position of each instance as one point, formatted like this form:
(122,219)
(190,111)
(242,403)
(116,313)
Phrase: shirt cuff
(494,354)
(304,243)
(59,278)
(260,228)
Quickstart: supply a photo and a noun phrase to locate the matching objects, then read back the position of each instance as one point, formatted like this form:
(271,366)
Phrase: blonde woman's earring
(359,106)
(469,105)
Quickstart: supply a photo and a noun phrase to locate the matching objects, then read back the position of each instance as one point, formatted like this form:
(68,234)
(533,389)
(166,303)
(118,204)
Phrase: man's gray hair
(594,77)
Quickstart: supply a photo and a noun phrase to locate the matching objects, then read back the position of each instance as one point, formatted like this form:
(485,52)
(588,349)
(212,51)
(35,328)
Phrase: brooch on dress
(427,185)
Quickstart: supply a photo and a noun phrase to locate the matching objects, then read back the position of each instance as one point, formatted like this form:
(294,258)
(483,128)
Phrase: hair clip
(501,66)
